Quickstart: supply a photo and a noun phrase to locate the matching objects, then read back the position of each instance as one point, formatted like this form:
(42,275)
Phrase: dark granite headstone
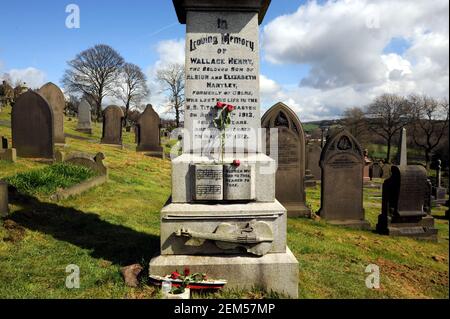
(405,211)
(290,189)
(4,143)
(313,151)
(112,125)
(147,132)
(57,102)
(376,170)
(342,163)
(32,126)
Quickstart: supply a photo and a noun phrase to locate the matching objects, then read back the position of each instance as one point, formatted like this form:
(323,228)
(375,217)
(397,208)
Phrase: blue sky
(318,57)
(36,34)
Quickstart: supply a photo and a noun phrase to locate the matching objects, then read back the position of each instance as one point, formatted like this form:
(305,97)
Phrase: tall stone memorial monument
(84,117)
(402,152)
(290,188)
(55,98)
(148,134)
(342,163)
(112,125)
(223,218)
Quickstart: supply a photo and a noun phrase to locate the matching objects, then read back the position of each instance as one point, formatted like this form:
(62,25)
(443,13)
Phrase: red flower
(186,272)
(175,275)
(237,163)
(230,108)
(220,105)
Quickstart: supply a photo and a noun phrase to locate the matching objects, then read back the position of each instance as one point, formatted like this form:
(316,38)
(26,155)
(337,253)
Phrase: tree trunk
(127,109)
(427,158)
(388,154)
(177,116)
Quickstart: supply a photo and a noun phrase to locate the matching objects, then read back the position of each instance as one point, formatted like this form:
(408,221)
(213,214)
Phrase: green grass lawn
(117,224)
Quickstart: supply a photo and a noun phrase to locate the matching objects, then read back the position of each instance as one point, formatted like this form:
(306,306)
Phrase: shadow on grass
(117,244)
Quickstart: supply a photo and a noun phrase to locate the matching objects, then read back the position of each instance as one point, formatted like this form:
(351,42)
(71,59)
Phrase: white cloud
(34,78)
(170,52)
(343,42)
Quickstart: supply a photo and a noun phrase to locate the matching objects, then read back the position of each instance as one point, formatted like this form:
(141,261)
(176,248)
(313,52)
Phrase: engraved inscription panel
(208,182)
(222,64)
(239,182)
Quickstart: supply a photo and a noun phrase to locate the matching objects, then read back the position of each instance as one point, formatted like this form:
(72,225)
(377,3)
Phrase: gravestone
(377,171)
(402,152)
(4,209)
(148,134)
(313,151)
(57,102)
(32,126)
(7,154)
(223,218)
(309,179)
(404,208)
(84,117)
(367,163)
(4,143)
(439,193)
(112,125)
(290,188)
(342,163)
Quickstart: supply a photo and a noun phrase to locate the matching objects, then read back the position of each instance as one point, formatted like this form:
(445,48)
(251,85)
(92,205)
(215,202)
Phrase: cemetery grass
(117,224)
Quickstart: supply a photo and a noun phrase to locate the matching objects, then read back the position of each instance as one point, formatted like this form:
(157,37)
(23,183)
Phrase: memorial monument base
(297,210)
(276,272)
(422,228)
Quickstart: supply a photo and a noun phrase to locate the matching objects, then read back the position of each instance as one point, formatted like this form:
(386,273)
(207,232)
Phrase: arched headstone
(112,125)
(84,117)
(147,132)
(32,126)
(289,189)
(342,164)
(57,102)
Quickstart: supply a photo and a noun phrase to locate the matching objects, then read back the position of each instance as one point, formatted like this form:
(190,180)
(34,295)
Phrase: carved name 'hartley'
(226,38)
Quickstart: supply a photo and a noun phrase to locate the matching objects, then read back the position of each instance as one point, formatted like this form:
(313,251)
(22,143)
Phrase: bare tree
(172,81)
(355,122)
(93,73)
(388,114)
(430,122)
(131,88)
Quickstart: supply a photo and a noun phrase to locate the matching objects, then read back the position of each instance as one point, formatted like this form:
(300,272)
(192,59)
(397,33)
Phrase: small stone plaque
(239,182)
(208,182)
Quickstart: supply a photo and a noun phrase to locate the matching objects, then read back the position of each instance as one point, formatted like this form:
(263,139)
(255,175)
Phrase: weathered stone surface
(4,209)
(183,176)
(290,188)
(277,272)
(84,117)
(313,151)
(148,131)
(402,152)
(404,211)
(342,163)
(386,170)
(95,163)
(112,125)
(130,274)
(222,64)
(55,98)
(208,182)
(8,155)
(206,219)
(239,182)
(32,126)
